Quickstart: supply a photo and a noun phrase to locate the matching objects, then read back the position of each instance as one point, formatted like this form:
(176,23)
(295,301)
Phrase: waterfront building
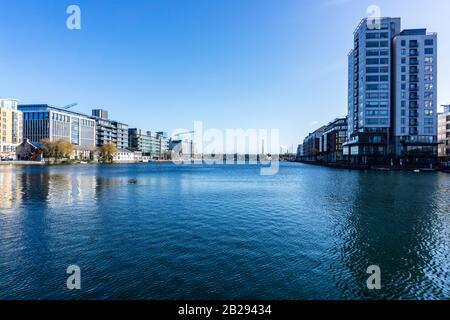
(26,151)
(10,127)
(311,145)
(43,121)
(415,97)
(126,155)
(332,140)
(444,135)
(299,152)
(370,90)
(146,142)
(392,94)
(163,141)
(110,131)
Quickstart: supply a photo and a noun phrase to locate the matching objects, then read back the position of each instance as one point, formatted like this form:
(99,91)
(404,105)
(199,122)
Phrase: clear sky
(162,64)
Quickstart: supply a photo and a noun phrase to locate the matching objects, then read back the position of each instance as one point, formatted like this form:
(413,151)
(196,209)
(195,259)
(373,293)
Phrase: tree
(108,151)
(57,150)
(48,148)
(64,149)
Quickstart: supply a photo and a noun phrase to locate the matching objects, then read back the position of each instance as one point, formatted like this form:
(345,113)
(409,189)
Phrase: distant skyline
(161,65)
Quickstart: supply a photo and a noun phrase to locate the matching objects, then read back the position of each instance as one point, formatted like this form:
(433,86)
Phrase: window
(429,50)
(384,78)
(372,53)
(403,43)
(372,70)
(429,42)
(384,61)
(428,86)
(372,78)
(383,86)
(429,121)
(428,59)
(384,69)
(403,52)
(372,61)
(403,69)
(429,130)
(403,104)
(384,44)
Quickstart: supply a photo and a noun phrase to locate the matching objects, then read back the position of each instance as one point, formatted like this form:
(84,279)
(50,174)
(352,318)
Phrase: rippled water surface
(165,231)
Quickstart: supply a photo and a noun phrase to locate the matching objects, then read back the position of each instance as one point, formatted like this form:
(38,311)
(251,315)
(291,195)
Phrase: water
(164,231)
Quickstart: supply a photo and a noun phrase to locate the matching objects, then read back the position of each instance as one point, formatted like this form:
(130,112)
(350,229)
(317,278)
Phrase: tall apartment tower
(415,76)
(391,94)
(370,90)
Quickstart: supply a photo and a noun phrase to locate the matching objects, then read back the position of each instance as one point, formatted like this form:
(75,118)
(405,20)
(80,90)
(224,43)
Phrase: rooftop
(44,107)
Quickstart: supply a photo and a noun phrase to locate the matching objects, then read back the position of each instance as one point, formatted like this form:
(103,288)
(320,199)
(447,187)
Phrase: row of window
(374,61)
(377,70)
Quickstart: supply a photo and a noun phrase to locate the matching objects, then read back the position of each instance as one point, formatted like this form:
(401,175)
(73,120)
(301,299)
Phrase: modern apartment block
(370,90)
(110,131)
(391,94)
(10,127)
(311,145)
(444,135)
(332,140)
(43,121)
(415,101)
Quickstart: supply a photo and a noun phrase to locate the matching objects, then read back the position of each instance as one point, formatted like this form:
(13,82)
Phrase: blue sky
(162,64)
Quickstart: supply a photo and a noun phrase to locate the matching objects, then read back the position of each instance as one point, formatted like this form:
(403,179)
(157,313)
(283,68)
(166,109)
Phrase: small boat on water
(417,171)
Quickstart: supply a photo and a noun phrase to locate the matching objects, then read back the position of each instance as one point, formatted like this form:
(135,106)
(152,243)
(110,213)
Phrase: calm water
(162,231)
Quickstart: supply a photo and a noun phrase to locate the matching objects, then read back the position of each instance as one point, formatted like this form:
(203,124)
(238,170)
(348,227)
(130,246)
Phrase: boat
(417,171)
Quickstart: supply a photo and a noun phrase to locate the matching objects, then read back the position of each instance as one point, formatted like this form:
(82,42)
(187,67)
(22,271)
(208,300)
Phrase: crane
(70,105)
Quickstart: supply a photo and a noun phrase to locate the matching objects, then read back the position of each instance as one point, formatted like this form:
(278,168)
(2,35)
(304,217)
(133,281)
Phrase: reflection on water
(190,232)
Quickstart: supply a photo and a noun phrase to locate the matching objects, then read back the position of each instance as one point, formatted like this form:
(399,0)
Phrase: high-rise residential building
(110,131)
(10,127)
(444,134)
(415,101)
(391,94)
(43,121)
(369,97)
